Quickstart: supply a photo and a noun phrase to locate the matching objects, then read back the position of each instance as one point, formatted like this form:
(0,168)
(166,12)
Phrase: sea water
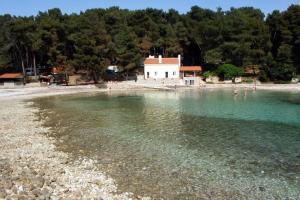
(189,144)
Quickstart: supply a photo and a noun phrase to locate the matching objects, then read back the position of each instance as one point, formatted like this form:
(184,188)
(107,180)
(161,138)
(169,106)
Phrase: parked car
(30,71)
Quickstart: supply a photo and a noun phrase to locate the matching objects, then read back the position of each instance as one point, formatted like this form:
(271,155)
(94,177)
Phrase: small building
(10,80)
(170,71)
(162,68)
(191,74)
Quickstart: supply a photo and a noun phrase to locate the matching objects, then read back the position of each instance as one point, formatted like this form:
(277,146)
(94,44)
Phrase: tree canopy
(96,38)
(229,71)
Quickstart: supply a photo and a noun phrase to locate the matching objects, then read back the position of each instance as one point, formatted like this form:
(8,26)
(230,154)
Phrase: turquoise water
(192,144)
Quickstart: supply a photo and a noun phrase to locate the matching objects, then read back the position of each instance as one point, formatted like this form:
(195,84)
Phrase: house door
(167,74)
(148,74)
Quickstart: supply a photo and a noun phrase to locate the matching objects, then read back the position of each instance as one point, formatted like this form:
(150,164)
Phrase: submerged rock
(262,189)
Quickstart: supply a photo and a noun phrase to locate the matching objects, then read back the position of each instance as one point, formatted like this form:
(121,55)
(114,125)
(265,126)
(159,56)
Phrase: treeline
(96,38)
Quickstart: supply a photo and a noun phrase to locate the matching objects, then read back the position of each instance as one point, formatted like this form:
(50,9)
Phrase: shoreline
(35,92)
(271,86)
(32,167)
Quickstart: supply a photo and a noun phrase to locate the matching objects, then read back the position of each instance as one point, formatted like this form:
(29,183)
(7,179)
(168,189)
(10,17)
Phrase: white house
(170,68)
(158,68)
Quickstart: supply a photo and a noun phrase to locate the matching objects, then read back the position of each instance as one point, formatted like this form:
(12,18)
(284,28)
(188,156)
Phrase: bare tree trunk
(27,58)
(34,63)
(22,62)
(94,77)
(23,68)
(254,77)
(21,58)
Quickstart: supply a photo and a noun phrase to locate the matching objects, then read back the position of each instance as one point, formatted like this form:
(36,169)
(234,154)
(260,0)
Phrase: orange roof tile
(11,75)
(190,68)
(57,69)
(169,61)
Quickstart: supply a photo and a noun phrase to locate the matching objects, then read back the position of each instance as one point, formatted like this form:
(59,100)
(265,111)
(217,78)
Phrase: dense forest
(96,38)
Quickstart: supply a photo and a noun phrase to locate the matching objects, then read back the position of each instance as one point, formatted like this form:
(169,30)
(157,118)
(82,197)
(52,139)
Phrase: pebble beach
(30,165)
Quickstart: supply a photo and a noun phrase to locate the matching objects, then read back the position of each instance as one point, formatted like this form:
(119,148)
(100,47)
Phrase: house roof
(168,61)
(11,75)
(190,68)
(57,69)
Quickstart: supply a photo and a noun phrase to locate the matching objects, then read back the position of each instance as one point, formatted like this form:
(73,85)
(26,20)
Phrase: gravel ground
(30,165)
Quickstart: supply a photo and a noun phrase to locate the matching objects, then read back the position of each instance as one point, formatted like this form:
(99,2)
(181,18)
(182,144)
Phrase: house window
(167,74)
(155,73)
(174,73)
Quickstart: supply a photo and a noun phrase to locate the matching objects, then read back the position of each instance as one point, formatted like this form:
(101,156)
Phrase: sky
(32,7)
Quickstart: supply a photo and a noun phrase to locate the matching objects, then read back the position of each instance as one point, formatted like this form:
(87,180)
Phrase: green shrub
(208,74)
(282,72)
(263,77)
(229,71)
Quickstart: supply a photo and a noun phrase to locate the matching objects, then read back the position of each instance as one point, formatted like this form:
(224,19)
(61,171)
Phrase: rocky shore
(32,168)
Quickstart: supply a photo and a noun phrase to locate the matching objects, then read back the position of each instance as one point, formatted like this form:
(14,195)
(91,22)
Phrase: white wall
(10,84)
(157,71)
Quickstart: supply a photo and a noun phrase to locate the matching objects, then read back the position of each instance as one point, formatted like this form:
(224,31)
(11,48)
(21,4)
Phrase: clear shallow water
(187,144)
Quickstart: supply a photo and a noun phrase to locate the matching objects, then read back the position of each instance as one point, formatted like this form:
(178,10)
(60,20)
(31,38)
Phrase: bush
(229,71)
(282,72)
(263,76)
(208,74)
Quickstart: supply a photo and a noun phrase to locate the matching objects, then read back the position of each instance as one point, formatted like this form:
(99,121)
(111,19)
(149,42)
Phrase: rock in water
(262,189)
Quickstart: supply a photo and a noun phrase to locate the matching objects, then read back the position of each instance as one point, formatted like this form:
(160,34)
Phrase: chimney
(160,59)
(179,59)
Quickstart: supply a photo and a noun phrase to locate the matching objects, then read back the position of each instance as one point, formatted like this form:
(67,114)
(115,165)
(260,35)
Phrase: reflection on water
(189,144)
